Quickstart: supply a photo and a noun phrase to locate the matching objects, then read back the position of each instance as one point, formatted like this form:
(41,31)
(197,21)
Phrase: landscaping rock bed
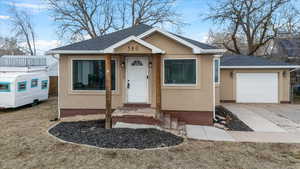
(93,133)
(228,121)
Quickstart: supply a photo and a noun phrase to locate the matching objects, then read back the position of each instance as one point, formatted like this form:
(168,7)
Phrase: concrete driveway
(268,117)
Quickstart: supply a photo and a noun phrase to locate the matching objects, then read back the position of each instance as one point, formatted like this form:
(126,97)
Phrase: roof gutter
(50,52)
(261,67)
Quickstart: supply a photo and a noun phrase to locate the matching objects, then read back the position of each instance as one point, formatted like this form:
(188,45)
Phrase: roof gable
(289,47)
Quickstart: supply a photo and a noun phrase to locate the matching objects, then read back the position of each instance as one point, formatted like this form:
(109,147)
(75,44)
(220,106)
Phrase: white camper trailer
(22,86)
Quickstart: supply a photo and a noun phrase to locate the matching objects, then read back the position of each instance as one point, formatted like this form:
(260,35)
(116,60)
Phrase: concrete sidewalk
(265,137)
(214,134)
(207,133)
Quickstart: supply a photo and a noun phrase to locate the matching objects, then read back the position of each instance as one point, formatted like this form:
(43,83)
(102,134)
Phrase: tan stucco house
(150,67)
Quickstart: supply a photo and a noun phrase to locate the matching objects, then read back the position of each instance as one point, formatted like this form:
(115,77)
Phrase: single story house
(145,66)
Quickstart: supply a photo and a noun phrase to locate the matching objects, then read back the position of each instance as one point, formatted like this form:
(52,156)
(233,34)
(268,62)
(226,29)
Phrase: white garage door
(257,87)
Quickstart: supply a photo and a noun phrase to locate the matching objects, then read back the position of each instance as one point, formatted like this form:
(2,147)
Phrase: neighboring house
(287,48)
(154,68)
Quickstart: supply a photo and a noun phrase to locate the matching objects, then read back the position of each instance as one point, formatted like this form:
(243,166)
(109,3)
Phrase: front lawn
(25,143)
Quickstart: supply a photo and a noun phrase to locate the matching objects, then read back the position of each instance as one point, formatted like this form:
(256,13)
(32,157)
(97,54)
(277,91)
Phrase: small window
(4,87)
(34,83)
(44,84)
(137,63)
(217,70)
(180,71)
(22,86)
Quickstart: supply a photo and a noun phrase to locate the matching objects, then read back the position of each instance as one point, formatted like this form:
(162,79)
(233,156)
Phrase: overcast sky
(45,26)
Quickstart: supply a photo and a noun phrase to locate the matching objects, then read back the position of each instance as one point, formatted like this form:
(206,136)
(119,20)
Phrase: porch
(140,65)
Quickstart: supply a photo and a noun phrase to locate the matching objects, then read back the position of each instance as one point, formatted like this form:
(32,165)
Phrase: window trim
(219,72)
(93,91)
(42,84)
(9,87)
(22,90)
(197,72)
(36,84)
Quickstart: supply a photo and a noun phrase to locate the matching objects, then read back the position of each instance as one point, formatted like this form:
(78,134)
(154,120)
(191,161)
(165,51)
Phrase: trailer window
(4,87)
(21,86)
(44,84)
(34,83)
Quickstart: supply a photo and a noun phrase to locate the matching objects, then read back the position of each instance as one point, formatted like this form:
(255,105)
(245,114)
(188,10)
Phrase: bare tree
(77,18)
(153,12)
(23,27)
(9,46)
(291,20)
(251,22)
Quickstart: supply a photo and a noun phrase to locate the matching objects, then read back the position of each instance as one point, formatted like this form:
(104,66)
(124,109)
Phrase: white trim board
(112,48)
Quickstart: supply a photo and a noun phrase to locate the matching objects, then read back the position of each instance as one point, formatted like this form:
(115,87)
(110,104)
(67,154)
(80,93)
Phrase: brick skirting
(74,112)
(228,101)
(285,102)
(192,117)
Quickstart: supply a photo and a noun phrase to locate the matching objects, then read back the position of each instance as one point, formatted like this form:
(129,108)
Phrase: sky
(45,27)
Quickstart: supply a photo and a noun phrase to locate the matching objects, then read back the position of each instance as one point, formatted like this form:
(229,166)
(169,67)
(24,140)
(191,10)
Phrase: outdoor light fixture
(150,65)
(231,74)
(284,73)
(123,64)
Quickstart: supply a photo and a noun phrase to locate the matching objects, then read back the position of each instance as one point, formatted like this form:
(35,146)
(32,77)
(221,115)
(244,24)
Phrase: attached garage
(257,88)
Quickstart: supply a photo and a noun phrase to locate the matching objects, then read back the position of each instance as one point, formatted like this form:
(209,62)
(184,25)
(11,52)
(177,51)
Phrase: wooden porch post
(158,85)
(108,120)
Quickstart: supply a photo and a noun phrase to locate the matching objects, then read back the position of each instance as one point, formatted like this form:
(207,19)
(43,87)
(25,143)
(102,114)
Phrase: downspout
(214,89)
(58,86)
(214,84)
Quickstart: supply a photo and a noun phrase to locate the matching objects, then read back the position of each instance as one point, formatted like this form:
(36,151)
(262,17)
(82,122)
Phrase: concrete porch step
(137,115)
(137,120)
(134,111)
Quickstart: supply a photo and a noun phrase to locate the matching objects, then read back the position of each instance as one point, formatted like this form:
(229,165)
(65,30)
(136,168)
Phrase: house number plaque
(133,48)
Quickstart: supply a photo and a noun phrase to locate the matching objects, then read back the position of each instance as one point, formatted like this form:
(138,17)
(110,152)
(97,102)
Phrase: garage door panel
(257,88)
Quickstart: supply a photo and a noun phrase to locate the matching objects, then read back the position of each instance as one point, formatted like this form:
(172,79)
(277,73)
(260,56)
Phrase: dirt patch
(25,130)
(233,123)
(93,133)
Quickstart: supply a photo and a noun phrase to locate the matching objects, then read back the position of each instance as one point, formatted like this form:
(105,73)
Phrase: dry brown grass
(24,143)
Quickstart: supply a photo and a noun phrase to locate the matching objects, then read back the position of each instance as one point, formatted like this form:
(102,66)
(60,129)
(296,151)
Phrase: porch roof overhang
(111,49)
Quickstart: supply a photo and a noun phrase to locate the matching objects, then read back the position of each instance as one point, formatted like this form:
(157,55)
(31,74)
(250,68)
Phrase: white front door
(137,79)
(257,87)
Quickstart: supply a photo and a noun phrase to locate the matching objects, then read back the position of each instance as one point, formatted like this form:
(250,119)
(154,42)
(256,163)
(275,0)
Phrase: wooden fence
(53,89)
